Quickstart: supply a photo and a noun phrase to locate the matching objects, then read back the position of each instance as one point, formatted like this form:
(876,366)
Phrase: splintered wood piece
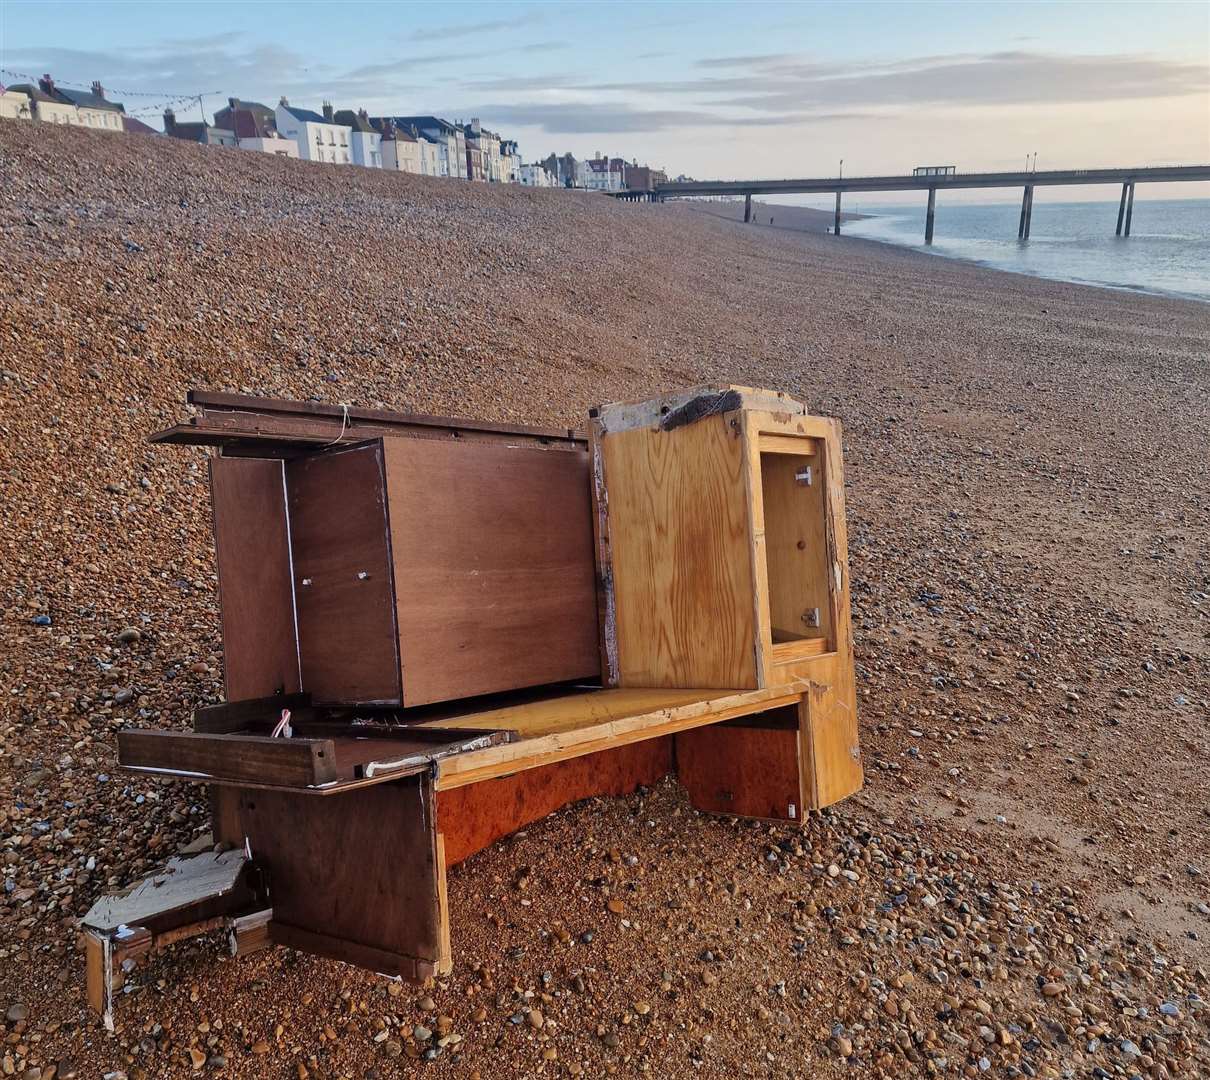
(353,877)
(678,540)
(174,895)
(251,543)
(230,758)
(492,547)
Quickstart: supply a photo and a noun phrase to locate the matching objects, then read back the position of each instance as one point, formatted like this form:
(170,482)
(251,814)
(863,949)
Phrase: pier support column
(836,227)
(1129,208)
(747,209)
(1027,211)
(928,217)
(1122,208)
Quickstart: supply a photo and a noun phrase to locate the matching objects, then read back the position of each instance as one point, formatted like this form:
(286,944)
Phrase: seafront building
(15,105)
(424,145)
(364,140)
(319,136)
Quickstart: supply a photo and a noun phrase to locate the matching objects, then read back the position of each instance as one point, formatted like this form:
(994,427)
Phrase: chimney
(169,121)
(47,85)
(233,102)
(98,89)
(283,100)
(328,111)
(363,114)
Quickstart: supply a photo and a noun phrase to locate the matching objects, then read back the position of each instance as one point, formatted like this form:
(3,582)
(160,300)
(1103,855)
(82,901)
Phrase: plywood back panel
(260,653)
(348,648)
(494,573)
(678,552)
(360,868)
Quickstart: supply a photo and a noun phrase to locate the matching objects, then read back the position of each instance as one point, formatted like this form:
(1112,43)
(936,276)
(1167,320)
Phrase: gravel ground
(1020,890)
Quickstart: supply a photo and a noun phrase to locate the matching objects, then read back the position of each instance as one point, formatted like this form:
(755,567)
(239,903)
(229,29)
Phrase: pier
(934,182)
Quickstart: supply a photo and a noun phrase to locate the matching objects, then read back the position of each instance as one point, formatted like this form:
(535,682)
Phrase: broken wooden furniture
(438,631)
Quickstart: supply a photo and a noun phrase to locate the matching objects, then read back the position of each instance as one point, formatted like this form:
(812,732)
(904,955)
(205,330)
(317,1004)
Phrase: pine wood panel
(831,761)
(252,552)
(346,622)
(543,749)
(796,548)
(679,550)
(494,573)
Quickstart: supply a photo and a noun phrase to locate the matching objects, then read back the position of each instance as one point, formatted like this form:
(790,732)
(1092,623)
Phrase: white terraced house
(319,137)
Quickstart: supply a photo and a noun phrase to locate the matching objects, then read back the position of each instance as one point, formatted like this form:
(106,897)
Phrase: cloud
(568,118)
(487,26)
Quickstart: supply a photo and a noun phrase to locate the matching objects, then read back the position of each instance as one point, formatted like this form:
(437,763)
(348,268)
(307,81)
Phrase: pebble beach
(1022,889)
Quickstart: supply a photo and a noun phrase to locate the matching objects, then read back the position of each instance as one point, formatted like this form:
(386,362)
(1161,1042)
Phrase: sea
(1167,252)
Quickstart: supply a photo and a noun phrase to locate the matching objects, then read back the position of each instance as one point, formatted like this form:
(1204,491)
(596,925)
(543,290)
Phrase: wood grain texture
(231,758)
(251,543)
(832,763)
(680,549)
(347,639)
(796,547)
(494,574)
(474,816)
(360,869)
(538,750)
(748,771)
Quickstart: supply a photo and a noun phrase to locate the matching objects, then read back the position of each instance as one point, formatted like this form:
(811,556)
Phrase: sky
(709,90)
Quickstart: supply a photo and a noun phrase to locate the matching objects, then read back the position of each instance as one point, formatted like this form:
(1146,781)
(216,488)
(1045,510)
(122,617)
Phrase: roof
(33,93)
(134,126)
(354,120)
(195,131)
(426,122)
(306,115)
(84,99)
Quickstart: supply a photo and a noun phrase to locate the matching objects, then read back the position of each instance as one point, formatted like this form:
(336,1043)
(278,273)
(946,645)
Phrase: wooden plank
(250,714)
(347,637)
(746,771)
(444,963)
(216,402)
(252,553)
(359,870)
(381,961)
(576,711)
(232,758)
(796,548)
(185,891)
(832,762)
(494,577)
(786,444)
(680,547)
(530,753)
(474,816)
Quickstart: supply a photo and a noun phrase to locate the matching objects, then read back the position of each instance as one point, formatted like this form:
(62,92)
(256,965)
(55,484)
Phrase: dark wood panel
(342,576)
(234,758)
(359,868)
(494,571)
(251,714)
(260,654)
(745,770)
(475,816)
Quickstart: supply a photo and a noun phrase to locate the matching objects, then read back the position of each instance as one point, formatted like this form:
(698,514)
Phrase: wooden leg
(829,748)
